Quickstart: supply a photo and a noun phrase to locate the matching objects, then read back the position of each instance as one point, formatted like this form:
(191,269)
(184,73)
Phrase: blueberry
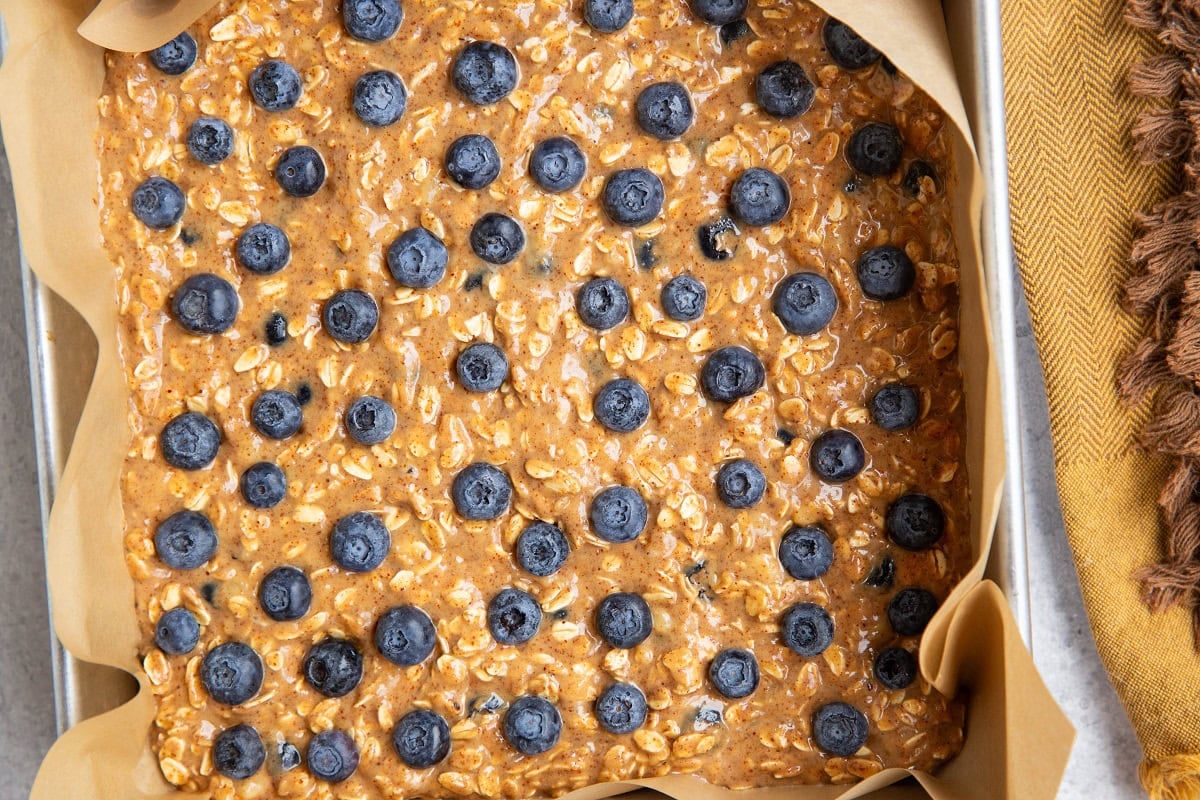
(275,85)
(276,329)
(370,421)
(185,540)
(839,729)
(474,281)
(602,303)
(910,611)
(208,591)
(607,16)
(333,667)
(915,522)
(807,629)
(875,149)
(684,298)
(837,456)
(177,632)
(806,552)
(285,594)
(532,725)
(359,542)
(332,756)
(718,240)
(885,273)
(513,616)
(623,620)
(646,257)
(417,259)
(621,708)
(372,20)
(481,491)
(732,31)
(276,414)
(621,405)
(882,575)
(421,738)
(740,484)
(895,407)
(210,140)
(351,316)
(300,171)
(497,238)
(732,373)
(288,757)
(238,752)
(664,110)
(896,668)
(176,56)
(232,673)
(304,394)
(633,197)
(618,514)
(485,704)
(542,549)
(263,249)
(785,436)
(734,673)
(190,441)
(158,203)
(915,175)
(379,98)
(783,90)
(485,73)
(472,161)
(481,367)
(719,12)
(557,164)
(759,197)
(263,485)
(805,303)
(405,635)
(846,48)
(205,304)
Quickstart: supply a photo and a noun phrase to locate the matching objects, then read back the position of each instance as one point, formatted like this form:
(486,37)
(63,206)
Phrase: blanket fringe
(1171,778)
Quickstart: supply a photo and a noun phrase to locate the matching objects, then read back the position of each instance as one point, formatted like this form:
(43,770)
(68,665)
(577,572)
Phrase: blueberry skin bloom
(497,238)
(734,673)
(622,405)
(176,56)
(837,456)
(621,708)
(158,203)
(633,197)
(602,303)
(472,161)
(332,756)
(417,259)
(481,492)
(276,414)
(421,738)
(370,421)
(232,673)
(372,20)
(285,594)
(783,90)
(210,140)
(732,373)
(807,629)
(275,86)
(664,110)
(623,620)
(740,484)
(542,549)
(190,441)
(532,725)
(359,542)
(238,752)
(177,632)
(205,305)
(300,171)
(405,635)
(513,617)
(351,316)
(806,553)
(263,249)
(557,164)
(684,298)
(895,407)
(485,73)
(333,667)
(185,540)
(481,367)
(719,12)
(759,197)
(885,273)
(607,16)
(839,729)
(915,522)
(263,485)
(805,303)
(618,514)
(379,99)
(875,149)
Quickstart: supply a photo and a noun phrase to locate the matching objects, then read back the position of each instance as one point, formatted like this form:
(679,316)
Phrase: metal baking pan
(63,352)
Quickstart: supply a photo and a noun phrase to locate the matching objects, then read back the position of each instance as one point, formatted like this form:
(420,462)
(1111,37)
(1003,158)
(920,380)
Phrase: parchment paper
(1017,739)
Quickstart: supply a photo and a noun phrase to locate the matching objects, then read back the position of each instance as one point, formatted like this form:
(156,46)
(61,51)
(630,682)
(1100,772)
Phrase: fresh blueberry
(513,616)
(276,329)
(359,542)
(785,436)
(285,594)
(719,12)
(232,673)
(208,591)
(238,752)
(417,259)
(372,20)
(732,31)
(332,756)
(300,171)
(472,161)
(405,635)
(422,738)
(910,611)
(485,73)
(287,757)
(915,175)
(497,238)
(883,574)
(481,367)
(846,48)
(740,484)
(646,257)
(875,149)
(805,303)
(783,90)
(333,667)
(542,549)
(275,85)
(633,197)
(807,629)
(185,540)
(618,514)
(379,99)
(734,673)
(623,620)
(532,725)
(188,237)
(210,140)
(839,729)
(190,441)
(915,522)
(885,273)
(718,240)
(158,203)
(896,668)
(263,485)
(481,491)
(474,281)
(370,421)
(664,110)
(263,249)
(837,456)
(895,407)
(276,414)
(205,304)
(732,373)
(621,708)
(602,303)
(176,56)
(759,197)
(621,405)
(607,16)
(806,552)
(684,298)
(177,632)
(351,316)
(557,164)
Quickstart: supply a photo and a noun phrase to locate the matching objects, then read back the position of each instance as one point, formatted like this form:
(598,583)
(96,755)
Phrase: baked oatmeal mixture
(620,438)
